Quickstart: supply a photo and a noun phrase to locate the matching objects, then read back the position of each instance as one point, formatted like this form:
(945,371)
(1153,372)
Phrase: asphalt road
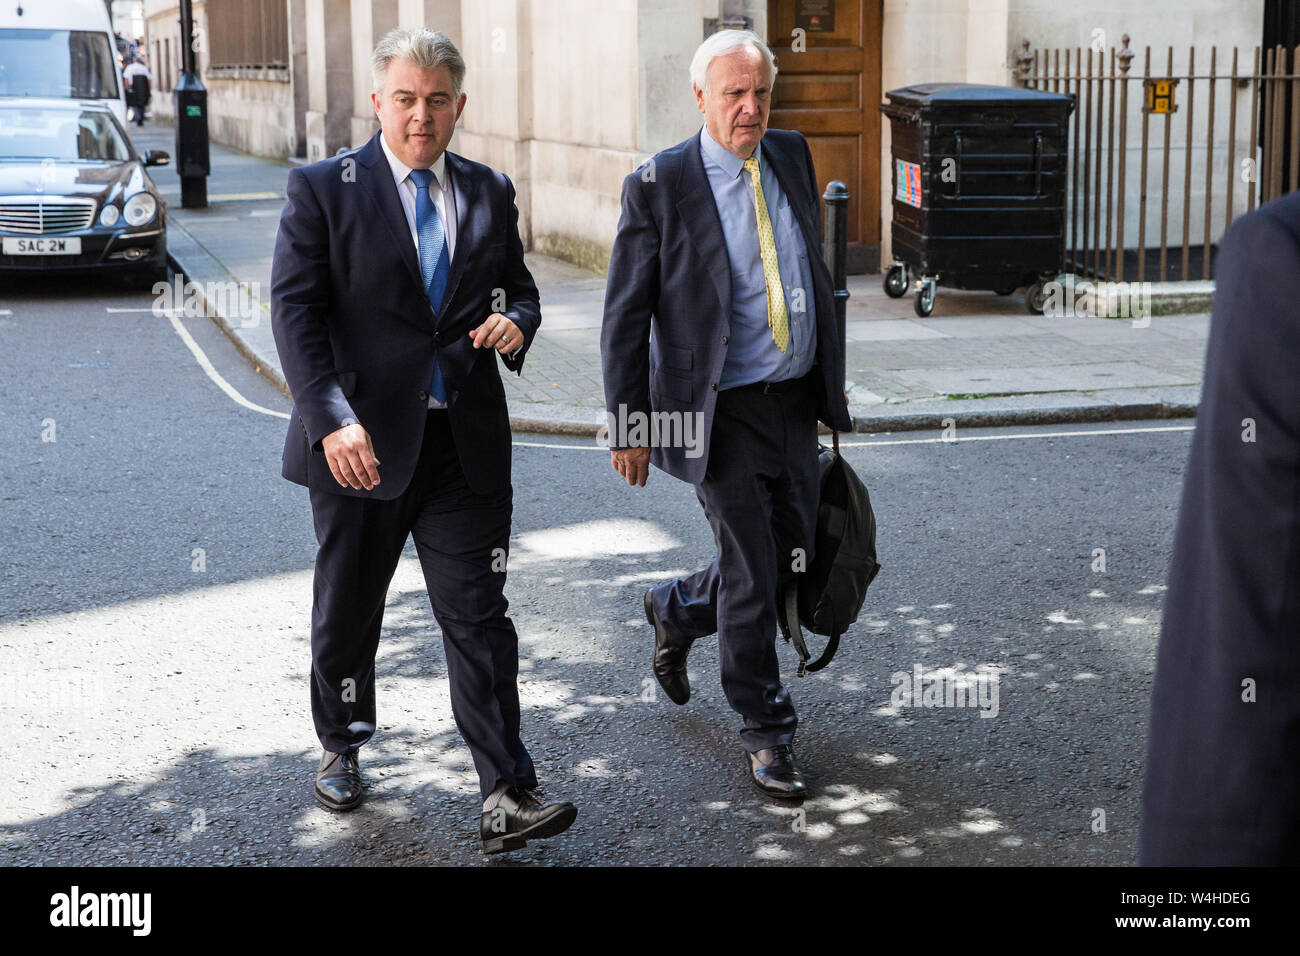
(154,613)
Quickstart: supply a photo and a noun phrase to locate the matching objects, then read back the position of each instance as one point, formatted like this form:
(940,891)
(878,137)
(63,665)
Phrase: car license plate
(43,246)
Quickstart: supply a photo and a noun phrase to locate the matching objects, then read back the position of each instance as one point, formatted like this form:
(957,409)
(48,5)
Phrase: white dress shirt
(444,200)
(440,191)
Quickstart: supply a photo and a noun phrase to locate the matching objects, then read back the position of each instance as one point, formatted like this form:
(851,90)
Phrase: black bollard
(190,105)
(835,240)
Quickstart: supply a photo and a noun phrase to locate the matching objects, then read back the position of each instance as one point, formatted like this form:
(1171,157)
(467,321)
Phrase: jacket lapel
(471,222)
(378,184)
(784,166)
(699,211)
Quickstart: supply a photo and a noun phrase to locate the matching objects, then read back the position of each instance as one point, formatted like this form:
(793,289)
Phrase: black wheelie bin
(979,177)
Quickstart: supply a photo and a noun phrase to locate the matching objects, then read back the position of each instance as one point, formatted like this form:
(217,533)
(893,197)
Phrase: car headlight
(139,209)
(110,215)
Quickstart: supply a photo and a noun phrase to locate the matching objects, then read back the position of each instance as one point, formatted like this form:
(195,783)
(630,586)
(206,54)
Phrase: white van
(61,49)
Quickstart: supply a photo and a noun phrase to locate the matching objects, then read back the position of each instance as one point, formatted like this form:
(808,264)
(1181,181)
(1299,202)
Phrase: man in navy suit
(720,321)
(398,277)
(1222,781)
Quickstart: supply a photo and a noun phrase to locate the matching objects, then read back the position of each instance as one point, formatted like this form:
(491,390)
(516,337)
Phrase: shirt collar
(724,159)
(401,170)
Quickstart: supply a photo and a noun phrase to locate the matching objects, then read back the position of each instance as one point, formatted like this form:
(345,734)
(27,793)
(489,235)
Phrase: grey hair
(722,43)
(427,49)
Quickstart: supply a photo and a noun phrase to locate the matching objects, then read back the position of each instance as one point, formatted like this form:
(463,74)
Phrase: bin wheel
(1036,298)
(896,281)
(1005,291)
(924,303)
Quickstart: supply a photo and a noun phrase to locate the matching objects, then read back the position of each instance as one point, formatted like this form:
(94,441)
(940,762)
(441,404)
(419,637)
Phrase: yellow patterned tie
(777,320)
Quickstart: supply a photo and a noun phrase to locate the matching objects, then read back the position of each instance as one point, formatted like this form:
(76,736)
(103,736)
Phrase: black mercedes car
(75,195)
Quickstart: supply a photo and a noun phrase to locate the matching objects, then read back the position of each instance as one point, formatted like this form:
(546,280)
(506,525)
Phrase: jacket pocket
(678,358)
(673,386)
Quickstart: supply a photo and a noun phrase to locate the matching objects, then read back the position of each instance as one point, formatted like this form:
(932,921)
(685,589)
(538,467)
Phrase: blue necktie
(435,264)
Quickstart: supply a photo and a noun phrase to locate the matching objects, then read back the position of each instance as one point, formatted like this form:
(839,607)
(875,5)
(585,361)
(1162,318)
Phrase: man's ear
(374,101)
(699,97)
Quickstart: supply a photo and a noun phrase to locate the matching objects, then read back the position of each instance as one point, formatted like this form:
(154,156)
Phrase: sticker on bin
(908,177)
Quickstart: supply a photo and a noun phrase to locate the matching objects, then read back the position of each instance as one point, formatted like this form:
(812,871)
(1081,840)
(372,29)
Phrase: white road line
(5,312)
(934,441)
(213,374)
(229,389)
(538,444)
(1078,434)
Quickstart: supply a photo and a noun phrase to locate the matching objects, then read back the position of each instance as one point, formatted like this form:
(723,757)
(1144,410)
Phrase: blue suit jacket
(355,332)
(668,297)
(1223,774)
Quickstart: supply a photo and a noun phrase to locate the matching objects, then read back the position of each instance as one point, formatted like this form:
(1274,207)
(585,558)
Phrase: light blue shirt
(752,355)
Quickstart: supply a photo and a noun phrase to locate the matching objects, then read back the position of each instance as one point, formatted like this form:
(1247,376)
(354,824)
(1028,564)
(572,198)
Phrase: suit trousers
(461,538)
(760,494)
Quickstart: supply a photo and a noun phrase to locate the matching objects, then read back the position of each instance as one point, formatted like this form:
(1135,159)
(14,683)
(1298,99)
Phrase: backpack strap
(788,612)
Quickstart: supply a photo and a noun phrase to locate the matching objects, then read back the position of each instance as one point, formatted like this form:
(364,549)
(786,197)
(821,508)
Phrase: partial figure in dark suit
(719,342)
(1223,757)
(398,277)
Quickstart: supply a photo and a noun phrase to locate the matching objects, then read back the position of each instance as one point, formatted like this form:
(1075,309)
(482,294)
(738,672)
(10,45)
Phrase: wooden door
(828,88)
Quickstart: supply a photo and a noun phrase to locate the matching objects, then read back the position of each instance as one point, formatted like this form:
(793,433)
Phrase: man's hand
(351,457)
(497,332)
(632,463)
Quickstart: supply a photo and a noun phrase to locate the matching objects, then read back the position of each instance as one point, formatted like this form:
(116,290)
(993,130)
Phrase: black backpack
(827,597)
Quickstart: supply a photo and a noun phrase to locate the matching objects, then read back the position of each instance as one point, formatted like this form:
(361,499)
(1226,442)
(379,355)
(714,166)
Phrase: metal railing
(1106,180)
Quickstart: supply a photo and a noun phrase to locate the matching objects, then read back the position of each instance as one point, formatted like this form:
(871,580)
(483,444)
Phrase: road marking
(208,367)
(958,441)
(242,197)
(5,312)
(934,441)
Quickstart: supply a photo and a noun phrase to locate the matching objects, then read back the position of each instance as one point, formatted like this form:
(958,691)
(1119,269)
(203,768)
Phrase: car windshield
(63,135)
(57,63)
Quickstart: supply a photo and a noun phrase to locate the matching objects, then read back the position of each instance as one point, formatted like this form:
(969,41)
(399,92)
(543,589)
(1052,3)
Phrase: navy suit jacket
(667,317)
(357,336)
(1223,774)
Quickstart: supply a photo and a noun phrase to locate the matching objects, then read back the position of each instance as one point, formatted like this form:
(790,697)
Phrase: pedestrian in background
(137,79)
(718,308)
(1223,756)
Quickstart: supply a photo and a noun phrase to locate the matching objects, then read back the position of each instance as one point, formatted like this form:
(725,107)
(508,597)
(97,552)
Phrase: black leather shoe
(519,817)
(669,660)
(338,781)
(774,772)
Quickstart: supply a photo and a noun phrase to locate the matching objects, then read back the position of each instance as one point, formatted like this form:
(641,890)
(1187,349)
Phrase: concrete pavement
(979,359)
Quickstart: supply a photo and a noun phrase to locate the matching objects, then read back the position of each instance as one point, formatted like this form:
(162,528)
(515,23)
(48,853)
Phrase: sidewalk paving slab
(979,360)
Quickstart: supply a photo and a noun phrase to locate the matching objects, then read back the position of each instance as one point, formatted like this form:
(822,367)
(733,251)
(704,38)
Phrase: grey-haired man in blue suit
(719,321)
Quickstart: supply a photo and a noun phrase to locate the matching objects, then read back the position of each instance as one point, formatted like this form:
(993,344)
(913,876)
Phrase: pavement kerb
(191,268)
(1057,408)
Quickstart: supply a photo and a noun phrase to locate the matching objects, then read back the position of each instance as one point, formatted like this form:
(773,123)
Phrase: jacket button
(724,340)
(424,396)
(714,386)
